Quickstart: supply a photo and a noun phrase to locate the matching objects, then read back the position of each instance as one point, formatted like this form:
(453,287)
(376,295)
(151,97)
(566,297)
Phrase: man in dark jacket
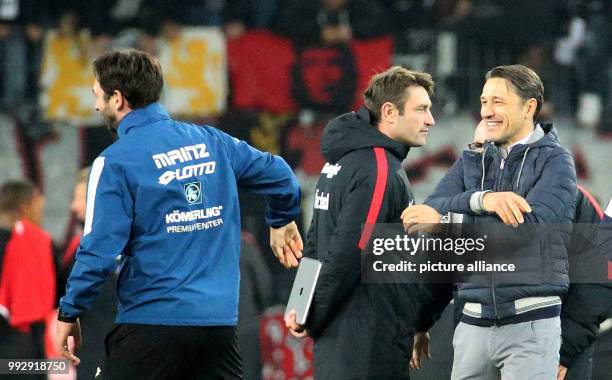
(587,305)
(510,325)
(363,330)
(603,349)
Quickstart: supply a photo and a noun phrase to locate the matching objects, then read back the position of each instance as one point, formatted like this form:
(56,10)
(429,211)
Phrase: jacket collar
(142,116)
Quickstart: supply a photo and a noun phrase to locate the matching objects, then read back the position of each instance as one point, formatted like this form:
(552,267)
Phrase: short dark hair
(391,86)
(525,81)
(14,194)
(134,73)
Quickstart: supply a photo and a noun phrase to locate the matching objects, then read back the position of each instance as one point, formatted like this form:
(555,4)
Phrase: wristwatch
(445,218)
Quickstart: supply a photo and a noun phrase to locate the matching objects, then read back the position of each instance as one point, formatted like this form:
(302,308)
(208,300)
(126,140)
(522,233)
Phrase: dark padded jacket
(543,173)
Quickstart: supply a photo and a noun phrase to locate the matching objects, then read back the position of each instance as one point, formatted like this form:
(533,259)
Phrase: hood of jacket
(353,131)
(544,135)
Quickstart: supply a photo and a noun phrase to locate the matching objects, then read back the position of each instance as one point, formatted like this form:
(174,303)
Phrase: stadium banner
(323,78)
(194,66)
(195,73)
(67,78)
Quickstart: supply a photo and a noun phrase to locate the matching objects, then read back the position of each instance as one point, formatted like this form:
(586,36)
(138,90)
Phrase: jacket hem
(179,321)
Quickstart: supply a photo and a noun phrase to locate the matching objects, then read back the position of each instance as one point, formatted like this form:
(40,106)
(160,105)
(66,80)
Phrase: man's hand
(287,244)
(420,349)
(507,205)
(62,331)
(480,133)
(420,218)
(295,329)
(562,372)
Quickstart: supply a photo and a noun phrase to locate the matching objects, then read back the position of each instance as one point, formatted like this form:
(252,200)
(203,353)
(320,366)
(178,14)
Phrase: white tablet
(303,289)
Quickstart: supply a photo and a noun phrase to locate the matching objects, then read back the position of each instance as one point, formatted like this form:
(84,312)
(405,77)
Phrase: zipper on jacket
(493,295)
(497,188)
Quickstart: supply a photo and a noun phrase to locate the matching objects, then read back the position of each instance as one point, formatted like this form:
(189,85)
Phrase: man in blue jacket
(164,197)
(510,326)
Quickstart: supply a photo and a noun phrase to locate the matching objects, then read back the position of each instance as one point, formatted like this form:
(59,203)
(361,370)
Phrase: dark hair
(134,73)
(391,86)
(14,194)
(524,80)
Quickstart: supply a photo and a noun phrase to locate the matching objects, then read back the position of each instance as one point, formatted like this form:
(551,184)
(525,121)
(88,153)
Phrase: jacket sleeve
(341,268)
(265,174)
(450,194)
(108,221)
(554,191)
(586,307)
(433,300)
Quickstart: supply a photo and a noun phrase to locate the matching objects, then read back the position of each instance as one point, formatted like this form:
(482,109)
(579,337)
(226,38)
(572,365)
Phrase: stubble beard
(111,124)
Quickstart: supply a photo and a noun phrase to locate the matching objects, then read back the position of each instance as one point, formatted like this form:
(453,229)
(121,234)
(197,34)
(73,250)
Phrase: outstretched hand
(287,245)
(420,349)
(62,331)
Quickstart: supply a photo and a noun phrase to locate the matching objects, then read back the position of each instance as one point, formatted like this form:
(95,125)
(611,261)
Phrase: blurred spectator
(255,296)
(413,24)
(21,33)
(27,272)
(592,63)
(240,15)
(331,22)
(188,12)
(491,33)
(304,145)
(102,316)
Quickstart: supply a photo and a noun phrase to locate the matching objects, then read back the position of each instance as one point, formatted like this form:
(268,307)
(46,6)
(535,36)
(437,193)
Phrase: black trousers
(17,345)
(135,351)
(582,367)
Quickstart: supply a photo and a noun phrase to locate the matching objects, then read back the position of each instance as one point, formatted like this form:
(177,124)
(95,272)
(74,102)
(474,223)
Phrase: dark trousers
(135,351)
(582,366)
(17,345)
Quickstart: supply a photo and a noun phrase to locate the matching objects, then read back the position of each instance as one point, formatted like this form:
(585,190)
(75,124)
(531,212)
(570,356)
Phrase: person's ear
(388,112)
(532,105)
(120,101)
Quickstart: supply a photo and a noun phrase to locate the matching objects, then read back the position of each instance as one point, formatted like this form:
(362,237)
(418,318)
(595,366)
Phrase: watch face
(475,146)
